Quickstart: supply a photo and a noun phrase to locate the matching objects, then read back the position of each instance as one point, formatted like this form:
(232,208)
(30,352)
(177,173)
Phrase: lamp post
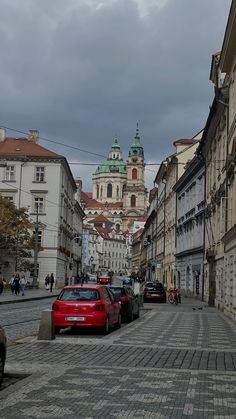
(35,277)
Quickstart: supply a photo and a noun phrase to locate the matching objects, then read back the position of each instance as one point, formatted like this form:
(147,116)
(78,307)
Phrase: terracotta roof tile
(24,147)
(101,219)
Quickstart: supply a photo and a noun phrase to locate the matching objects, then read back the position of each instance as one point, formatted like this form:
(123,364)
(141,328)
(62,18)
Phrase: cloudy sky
(83,71)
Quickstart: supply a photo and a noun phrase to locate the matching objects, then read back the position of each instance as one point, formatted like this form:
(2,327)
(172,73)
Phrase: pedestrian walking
(47,282)
(82,278)
(11,283)
(51,282)
(23,284)
(16,284)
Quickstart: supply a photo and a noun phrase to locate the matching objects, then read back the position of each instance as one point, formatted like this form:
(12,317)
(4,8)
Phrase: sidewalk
(176,362)
(30,295)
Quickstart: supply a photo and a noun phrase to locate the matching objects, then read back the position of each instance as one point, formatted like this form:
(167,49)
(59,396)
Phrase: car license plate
(75,319)
(154,295)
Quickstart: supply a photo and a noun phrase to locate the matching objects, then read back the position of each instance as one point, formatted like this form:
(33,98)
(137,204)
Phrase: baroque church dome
(114,163)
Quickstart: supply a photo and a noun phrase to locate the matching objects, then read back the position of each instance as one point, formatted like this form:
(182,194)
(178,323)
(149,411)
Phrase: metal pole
(36,247)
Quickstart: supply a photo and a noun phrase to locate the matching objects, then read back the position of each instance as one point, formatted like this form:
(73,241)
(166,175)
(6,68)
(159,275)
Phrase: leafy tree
(16,239)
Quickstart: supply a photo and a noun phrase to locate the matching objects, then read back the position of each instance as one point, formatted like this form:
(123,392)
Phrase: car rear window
(81,294)
(155,286)
(118,291)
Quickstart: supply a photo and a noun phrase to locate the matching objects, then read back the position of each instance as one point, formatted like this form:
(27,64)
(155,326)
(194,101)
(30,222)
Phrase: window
(39,203)
(109,190)
(117,191)
(101,191)
(97,191)
(10,173)
(134,174)
(39,174)
(133,201)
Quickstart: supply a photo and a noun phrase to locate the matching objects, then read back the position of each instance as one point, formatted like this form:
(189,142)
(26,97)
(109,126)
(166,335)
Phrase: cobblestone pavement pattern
(175,362)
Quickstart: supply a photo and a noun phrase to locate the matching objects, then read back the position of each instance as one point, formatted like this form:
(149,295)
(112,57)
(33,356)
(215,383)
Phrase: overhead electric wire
(54,141)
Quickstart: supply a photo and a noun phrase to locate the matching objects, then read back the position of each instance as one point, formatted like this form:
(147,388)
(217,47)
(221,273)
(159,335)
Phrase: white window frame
(41,204)
(10,173)
(39,174)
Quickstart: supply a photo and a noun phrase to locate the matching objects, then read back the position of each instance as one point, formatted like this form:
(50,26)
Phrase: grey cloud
(83,74)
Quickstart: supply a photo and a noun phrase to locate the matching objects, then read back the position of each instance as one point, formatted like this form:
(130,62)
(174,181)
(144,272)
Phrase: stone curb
(23,300)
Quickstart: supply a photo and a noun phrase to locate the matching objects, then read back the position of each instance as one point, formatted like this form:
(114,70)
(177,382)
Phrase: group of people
(18,284)
(49,281)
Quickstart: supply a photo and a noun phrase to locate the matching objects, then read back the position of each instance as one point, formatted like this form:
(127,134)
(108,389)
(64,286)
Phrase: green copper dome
(111,166)
(115,146)
(136,147)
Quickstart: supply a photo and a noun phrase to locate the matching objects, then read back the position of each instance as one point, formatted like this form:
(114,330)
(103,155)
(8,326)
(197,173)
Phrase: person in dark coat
(17,284)
(47,281)
(51,282)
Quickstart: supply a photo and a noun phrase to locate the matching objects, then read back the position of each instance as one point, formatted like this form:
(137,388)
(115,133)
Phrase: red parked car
(86,306)
(104,278)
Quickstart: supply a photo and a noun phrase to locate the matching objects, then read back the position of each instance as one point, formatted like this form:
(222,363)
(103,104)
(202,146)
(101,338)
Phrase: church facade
(119,191)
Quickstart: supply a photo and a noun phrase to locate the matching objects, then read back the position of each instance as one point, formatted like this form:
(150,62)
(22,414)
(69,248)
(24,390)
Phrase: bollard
(46,327)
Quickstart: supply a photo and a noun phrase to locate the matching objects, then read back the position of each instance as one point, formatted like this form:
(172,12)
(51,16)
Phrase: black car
(126,280)
(154,291)
(129,302)
(3,345)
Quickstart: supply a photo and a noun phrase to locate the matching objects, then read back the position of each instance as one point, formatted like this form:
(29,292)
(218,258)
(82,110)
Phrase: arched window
(117,191)
(101,193)
(97,191)
(133,201)
(109,190)
(134,173)
(117,228)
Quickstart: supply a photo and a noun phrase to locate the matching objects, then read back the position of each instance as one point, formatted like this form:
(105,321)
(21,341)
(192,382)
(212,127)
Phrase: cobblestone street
(174,362)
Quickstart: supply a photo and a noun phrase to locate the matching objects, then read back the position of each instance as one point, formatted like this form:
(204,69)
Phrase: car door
(110,305)
(115,306)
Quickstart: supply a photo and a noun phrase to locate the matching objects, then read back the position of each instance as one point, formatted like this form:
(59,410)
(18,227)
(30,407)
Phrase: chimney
(2,134)
(34,135)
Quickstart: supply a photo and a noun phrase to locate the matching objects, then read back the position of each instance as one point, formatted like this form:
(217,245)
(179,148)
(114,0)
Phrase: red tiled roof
(24,147)
(93,204)
(104,232)
(101,219)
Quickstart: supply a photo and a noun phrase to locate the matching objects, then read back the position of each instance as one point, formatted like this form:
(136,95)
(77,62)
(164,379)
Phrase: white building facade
(41,181)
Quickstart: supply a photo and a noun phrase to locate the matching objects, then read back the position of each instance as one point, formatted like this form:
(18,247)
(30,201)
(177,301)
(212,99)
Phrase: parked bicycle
(174,296)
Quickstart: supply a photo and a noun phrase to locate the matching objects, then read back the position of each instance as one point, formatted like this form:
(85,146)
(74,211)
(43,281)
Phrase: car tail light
(99,307)
(55,307)
(125,298)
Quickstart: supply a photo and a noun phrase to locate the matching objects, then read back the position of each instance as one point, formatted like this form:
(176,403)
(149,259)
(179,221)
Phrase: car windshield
(79,294)
(118,291)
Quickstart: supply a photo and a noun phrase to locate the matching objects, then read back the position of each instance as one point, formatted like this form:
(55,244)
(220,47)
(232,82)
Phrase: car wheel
(106,327)
(57,330)
(1,367)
